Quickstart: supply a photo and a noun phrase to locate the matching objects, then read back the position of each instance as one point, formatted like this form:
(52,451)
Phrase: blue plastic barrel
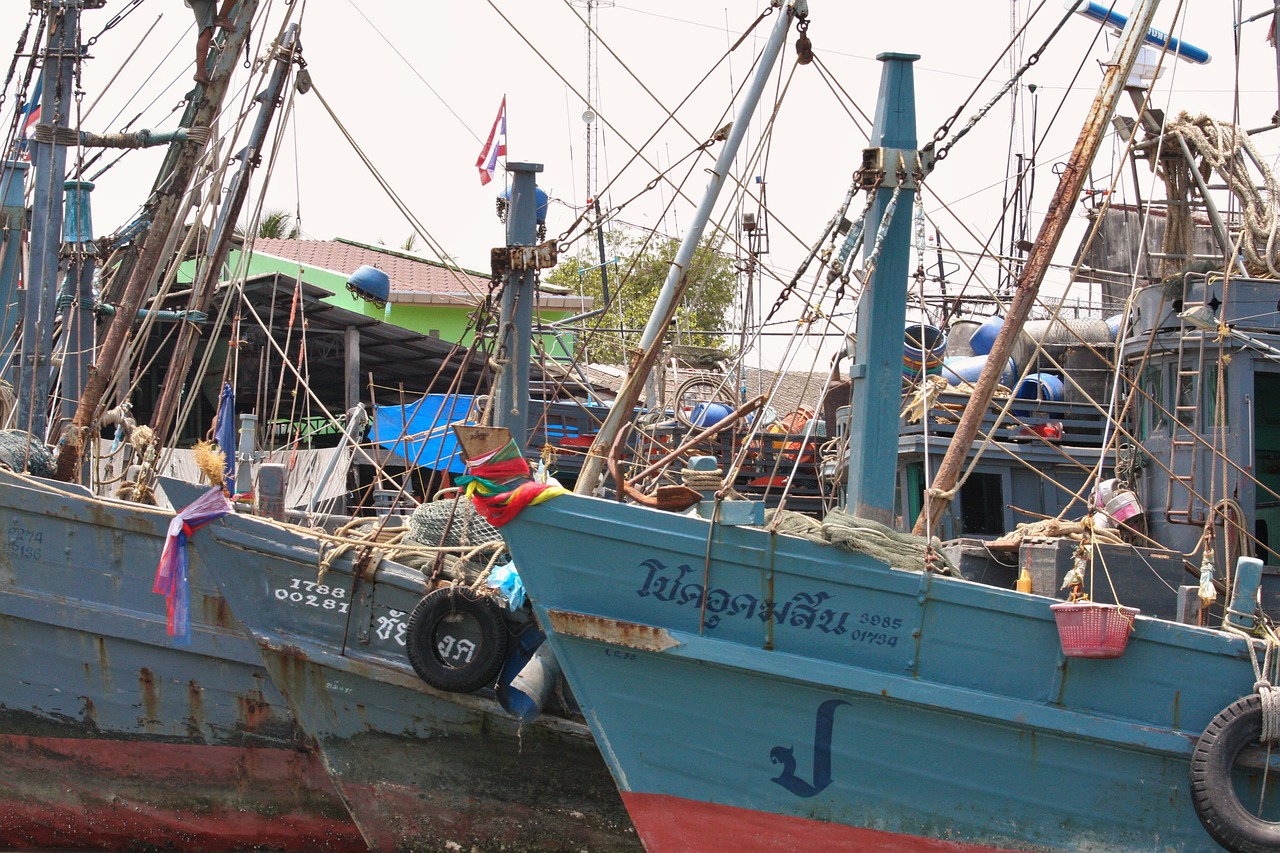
(985,336)
(709,414)
(969,368)
(1041,387)
(923,346)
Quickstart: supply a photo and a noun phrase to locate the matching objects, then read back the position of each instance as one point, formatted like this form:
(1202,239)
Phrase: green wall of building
(447,322)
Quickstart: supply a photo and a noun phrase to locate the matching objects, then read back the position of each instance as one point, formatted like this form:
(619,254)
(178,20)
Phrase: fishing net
(429,522)
(21,451)
(861,536)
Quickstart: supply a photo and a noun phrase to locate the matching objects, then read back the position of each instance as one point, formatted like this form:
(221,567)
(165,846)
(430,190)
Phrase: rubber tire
(1235,727)
(430,614)
(713,390)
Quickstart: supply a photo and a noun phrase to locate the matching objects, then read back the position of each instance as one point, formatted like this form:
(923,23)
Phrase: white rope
(1221,144)
(1263,677)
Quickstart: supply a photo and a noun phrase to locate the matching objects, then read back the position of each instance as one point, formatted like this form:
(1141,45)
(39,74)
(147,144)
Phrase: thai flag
(30,116)
(494,147)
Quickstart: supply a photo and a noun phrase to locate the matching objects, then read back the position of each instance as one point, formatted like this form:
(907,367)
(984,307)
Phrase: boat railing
(1064,423)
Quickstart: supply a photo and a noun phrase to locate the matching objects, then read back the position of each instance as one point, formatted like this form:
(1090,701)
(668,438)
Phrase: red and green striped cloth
(499,485)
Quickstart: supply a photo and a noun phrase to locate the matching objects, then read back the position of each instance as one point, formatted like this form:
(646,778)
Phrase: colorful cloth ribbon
(499,486)
(171,575)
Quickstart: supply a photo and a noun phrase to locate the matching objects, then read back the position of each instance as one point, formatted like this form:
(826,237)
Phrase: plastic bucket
(967,369)
(922,347)
(1123,505)
(982,339)
(1103,492)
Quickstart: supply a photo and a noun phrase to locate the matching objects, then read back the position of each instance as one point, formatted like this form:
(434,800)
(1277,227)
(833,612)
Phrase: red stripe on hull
(678,825)
(122,794)
(403,819)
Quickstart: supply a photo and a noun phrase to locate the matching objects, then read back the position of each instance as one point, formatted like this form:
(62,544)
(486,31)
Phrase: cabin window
(1151,411)
(1212,415)
(982,504)
(1266,462)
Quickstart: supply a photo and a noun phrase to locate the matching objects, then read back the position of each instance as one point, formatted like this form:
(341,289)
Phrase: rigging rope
(1220,145)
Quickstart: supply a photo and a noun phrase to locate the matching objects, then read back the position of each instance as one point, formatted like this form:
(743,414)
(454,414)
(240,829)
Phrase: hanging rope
(1220,145)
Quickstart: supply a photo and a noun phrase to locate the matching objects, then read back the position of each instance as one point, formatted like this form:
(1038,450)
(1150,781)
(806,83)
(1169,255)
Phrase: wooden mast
(171,192)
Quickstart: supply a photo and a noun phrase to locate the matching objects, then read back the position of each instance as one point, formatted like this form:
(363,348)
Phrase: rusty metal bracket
(504,259)
(889,167)
(540,257)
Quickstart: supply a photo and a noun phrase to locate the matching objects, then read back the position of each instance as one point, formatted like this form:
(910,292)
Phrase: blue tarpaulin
(225,434)
(420,432)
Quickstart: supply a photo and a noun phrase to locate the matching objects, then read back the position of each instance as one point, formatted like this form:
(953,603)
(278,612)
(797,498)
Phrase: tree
(278,224)
(635,280)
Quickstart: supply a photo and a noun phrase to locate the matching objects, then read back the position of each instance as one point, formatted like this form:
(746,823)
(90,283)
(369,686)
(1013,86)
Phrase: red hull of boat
(678,825)
(126,794)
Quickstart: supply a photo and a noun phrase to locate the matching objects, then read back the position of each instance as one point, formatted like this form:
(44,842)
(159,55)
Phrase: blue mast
(511,385)
(75,301)
(13,222)
(876,372)
(50,161)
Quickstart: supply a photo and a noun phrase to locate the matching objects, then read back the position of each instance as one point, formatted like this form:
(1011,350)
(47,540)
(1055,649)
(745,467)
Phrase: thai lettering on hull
(804,610)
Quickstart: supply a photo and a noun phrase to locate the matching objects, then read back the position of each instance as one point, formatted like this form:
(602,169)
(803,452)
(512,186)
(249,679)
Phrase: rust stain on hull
(216,612)
(630,634)
(254,710)
(195,709)
(150,700)
(104,663)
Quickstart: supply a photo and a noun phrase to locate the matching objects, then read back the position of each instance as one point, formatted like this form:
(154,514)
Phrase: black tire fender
(1224,817)
(456,639)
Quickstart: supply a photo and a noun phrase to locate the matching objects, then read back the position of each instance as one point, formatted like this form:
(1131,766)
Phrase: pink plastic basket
(1088,629)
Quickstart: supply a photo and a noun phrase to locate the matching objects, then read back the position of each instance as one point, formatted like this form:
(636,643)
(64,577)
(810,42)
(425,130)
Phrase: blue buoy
(371,284)
(539,196)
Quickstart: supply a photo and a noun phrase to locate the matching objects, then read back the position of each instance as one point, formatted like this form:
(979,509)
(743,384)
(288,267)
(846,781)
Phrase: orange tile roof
(409,273)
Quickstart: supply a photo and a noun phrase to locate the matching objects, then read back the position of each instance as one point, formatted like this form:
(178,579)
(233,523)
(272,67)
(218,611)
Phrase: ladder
(1183,507)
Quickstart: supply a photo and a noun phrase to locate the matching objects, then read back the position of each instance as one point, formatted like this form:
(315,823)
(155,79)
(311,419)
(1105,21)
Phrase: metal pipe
(515,324)
(50,167)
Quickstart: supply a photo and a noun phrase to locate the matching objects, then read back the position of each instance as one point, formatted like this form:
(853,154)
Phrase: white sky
(418,85)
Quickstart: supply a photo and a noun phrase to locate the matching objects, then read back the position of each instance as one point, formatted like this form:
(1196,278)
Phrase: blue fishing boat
(132,721)
(824,685)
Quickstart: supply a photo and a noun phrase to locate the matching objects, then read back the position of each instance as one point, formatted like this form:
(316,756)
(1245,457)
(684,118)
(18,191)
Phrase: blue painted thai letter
(785,755)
